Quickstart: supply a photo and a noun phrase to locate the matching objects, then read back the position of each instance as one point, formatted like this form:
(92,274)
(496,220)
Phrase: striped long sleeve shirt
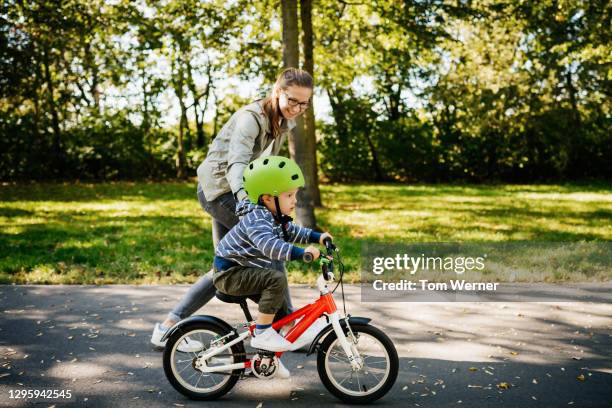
(257,239)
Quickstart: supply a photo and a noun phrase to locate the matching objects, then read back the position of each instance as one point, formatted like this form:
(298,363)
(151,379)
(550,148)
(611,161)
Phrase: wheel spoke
(337,358)
(194,373)
(183,361)
(197,382)
(183,369)
(373,375)
(376,362)
(213,380)
(345,378)
(376,370)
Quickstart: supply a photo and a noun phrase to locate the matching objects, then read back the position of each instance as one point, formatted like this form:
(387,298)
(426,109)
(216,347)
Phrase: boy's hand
(323,236)
(314,251)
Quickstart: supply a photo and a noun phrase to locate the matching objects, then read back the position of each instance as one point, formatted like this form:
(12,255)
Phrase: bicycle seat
(224,297)
(241,300)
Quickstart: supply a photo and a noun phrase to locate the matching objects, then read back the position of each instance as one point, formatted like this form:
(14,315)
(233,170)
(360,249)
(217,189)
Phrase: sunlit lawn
(157,233)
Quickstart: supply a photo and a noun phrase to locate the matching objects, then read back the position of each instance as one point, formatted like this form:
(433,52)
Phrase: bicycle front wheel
(373,380)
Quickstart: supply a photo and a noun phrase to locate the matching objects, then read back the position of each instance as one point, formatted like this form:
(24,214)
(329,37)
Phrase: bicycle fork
(346,342)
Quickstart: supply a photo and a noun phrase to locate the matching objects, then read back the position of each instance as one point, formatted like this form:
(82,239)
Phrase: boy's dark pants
(265,286)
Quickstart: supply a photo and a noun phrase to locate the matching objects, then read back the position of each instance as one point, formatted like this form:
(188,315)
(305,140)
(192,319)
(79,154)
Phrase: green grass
(157,233)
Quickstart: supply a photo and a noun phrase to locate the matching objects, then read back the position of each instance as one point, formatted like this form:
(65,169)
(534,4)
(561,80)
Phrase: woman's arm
(240,151)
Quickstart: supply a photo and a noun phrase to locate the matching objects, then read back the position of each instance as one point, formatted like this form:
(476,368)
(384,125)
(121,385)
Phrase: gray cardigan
(246,136)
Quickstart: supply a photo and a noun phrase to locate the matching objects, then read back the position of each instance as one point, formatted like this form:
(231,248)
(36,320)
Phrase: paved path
(93,340)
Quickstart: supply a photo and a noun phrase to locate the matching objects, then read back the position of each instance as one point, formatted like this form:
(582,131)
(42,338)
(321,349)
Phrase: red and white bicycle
(356,361)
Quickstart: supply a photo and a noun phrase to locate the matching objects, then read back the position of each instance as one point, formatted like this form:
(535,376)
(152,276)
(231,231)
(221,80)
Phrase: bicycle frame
(325,305)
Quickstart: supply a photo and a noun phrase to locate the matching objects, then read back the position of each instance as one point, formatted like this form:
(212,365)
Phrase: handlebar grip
(307,257)
(329,244)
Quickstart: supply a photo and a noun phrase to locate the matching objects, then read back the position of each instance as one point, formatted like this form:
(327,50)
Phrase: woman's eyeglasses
(294,102)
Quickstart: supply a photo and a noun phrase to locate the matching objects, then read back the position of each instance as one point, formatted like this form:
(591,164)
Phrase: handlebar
(326,262)
(307,257)
(329,245)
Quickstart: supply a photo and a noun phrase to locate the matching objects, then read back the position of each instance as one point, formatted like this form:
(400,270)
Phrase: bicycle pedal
(247,374)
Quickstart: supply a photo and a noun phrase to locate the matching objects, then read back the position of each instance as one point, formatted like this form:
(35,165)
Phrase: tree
(310,169)
(298,145)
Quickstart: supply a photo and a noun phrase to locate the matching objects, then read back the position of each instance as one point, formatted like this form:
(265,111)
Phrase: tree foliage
(418,90)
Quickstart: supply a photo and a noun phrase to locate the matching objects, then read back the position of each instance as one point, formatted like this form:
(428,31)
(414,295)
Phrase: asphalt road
(94,341)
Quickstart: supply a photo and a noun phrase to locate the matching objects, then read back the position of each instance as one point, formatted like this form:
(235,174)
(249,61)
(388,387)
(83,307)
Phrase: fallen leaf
(503,386)
(581,377)
(472,369)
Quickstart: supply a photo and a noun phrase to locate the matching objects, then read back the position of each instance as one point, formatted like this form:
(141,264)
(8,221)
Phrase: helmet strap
(282,219)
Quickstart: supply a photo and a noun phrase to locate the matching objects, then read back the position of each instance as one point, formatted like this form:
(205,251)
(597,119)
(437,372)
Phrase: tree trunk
(312,177)
(198,110)
(297,142)
(216,119)
(94,85)
(178,82)
(55,126)
(375,163)
(291,51)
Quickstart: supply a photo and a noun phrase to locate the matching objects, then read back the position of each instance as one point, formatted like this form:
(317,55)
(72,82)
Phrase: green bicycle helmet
(271,175)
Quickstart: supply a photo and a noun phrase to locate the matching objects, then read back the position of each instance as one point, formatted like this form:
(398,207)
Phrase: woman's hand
(324,236)
(314,251)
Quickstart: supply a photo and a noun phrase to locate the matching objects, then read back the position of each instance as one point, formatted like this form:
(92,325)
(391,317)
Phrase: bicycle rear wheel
(180,369)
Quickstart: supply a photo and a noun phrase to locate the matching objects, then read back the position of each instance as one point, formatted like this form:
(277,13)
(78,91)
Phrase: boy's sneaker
(187,346)
(270,340)
(283,372)
(309,335)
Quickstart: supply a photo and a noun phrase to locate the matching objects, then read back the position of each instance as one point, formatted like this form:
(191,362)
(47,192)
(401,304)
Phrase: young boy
(264,234)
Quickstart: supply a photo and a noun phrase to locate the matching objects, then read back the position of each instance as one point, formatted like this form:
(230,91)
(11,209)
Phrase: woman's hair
(289,77)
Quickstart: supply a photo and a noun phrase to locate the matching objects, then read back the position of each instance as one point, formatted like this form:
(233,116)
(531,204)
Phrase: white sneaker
(283,372)
(309,335)
(270,340)
(187,346)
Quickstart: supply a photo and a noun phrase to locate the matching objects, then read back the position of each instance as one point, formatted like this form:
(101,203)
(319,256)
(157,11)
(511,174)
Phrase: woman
(255,130)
